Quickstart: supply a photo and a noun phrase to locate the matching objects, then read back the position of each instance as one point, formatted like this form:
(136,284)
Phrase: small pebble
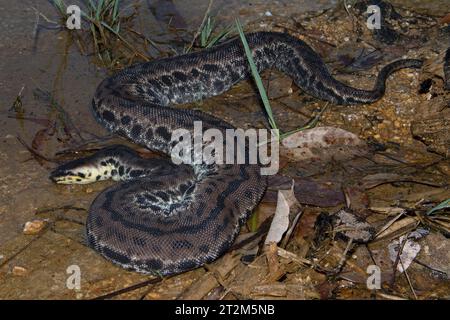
(19,271)
(34,227)
(268,14)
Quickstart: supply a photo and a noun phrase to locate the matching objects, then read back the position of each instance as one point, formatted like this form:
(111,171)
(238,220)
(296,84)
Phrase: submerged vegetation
(108,31)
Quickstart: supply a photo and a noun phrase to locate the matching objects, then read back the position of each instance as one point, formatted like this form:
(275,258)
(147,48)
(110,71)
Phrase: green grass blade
(117,29)
(91,5)
(311,124)
(116,10)
(219,37)
(60,6)
(256,76)
(99,9)
(206,33)
(440,206)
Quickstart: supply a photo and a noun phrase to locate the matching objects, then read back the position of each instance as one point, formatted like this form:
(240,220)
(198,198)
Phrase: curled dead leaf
(280,222)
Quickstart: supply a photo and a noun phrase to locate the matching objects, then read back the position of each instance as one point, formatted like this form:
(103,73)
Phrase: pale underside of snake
(163,218)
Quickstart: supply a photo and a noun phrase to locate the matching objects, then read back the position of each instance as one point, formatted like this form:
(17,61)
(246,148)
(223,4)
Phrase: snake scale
(163,218)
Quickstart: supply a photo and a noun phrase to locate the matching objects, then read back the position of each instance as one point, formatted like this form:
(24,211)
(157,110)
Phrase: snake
(163,217)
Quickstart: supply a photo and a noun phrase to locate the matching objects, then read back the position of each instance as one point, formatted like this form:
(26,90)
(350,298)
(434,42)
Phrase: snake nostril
(52,176)
(55,174)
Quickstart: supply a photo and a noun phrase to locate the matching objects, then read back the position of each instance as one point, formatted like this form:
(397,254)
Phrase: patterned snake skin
(163,218)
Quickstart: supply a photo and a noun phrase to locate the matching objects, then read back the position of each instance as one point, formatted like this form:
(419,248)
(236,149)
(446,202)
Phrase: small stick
(389,296)
(130,288)
(409,280)
(390,223)
(67,207)
(34,152)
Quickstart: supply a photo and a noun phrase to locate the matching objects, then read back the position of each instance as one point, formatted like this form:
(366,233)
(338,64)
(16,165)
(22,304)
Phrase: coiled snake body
(163,218)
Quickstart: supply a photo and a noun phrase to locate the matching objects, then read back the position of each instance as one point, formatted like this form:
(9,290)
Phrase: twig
(130,288)
(389,296)
(431,268)
(335,271)
(409,280)
(153,43)
(26,246)
(293,257)
(308,35)
(34,152)
(67,207)
(344,255)
(390,223)
(397,260)
(45,17)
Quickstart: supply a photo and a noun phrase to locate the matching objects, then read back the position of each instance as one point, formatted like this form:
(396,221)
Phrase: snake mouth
(64,177)
(56,175)
(75,172)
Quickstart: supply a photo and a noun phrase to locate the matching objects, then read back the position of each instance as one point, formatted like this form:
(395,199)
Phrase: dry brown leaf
(405,223)
(280,222)
(445,19)
(322,144)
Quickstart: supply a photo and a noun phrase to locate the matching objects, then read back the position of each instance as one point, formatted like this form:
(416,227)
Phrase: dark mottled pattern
(168,219)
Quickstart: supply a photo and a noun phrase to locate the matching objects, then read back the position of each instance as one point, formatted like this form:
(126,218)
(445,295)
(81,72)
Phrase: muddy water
(34,60)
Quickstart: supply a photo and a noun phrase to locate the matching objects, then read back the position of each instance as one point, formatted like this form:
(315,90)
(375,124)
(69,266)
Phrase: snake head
(79,171)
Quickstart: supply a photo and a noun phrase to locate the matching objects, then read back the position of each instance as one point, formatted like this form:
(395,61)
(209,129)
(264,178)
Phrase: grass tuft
(103,20)
(207,39)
